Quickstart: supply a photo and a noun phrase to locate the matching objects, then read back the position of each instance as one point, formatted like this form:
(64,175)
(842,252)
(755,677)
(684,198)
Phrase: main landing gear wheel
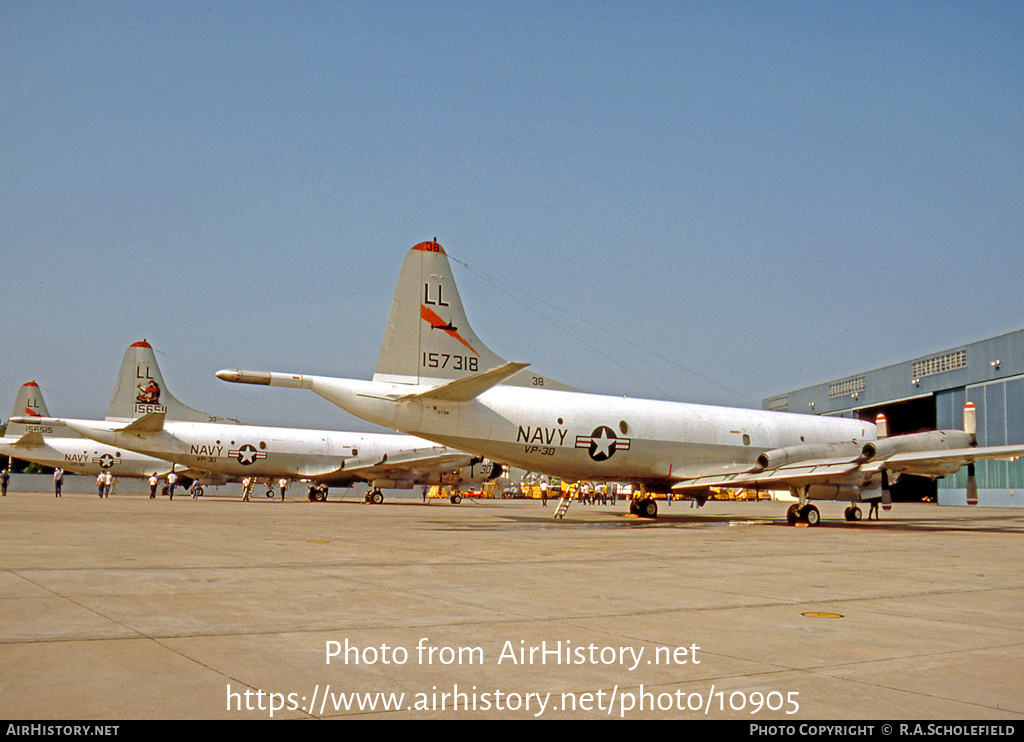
(455,499)
(853,513)
(807,514)
(643,507)
(811,515)
(375,497)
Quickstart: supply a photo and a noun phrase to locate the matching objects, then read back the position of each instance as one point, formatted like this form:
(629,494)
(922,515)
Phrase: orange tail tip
(431,246)
(28,403)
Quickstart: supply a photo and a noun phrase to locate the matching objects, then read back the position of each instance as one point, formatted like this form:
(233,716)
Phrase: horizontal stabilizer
(29,439)
(152,422)
(469,387)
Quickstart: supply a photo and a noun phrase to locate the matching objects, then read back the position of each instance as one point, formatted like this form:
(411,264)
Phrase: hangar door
(910,416)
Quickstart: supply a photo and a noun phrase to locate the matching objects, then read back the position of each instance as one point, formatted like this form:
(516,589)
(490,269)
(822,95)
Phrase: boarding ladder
(250,485)
(563,504)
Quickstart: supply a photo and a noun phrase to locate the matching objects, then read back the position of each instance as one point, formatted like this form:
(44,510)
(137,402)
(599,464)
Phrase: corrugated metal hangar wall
(929,393)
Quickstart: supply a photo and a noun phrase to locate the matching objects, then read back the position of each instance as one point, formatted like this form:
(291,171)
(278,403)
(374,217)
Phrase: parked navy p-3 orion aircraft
(55,446)
(436,379)
(145,417)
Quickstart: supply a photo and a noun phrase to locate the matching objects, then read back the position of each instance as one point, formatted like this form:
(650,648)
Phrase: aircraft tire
(377,497)
(270,493)
(811,515)
(856,513)
(648,508)
(455,499)
(793,514)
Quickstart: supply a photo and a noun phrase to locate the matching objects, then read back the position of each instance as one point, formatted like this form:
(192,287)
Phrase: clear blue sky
(747,197)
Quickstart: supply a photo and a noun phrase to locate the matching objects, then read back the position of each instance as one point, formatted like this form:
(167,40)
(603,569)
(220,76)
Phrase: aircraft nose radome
(244,377)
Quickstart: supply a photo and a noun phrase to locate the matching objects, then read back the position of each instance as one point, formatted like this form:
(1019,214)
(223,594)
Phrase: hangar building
(929,393)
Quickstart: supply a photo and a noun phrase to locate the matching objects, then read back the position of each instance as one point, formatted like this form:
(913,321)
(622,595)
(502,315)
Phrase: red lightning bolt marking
(439,324)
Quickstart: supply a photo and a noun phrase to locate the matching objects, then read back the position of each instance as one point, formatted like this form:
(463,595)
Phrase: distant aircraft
(146,418)
(48,445)
(451,388)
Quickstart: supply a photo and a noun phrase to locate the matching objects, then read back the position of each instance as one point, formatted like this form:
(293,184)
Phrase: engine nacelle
(781,456)
(479,471)
(393,484)
(842,492)
(482,471)
(930,440)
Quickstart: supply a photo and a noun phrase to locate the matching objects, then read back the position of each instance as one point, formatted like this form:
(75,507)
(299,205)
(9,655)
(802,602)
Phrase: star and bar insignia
(602,443)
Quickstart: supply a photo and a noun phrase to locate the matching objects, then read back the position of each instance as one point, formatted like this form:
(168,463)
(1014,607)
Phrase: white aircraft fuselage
(238,451)
(146,419)
(436,379)
(575,435)
(83,456)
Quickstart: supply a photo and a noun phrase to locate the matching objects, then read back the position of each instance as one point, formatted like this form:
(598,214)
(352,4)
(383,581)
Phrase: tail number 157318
(449,361)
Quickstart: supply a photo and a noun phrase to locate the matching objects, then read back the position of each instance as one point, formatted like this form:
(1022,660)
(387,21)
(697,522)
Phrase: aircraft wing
(932,463)
(424,459)
(941,463)
(368,467)
(804,473)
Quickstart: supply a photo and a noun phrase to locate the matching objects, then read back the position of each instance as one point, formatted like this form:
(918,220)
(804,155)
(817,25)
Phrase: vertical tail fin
(428,337)
(140,390)
(28,403)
